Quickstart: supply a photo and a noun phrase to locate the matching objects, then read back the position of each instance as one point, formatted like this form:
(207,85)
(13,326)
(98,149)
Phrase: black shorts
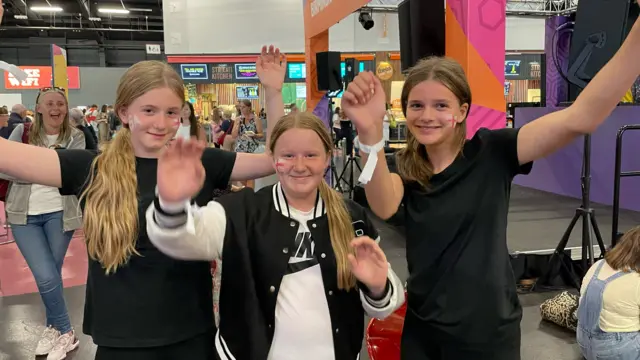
(198,348)
(419,344)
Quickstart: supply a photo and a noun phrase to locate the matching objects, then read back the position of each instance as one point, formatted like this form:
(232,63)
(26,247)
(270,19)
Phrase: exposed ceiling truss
(542,8)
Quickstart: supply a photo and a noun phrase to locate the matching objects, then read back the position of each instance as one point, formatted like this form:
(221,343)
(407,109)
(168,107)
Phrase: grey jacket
(17,204)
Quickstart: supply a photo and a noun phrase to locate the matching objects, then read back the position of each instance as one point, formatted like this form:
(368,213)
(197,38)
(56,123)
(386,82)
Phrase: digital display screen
(343,68)
(512,67)
(194,71)
(297,71)
(247,92)
(246,71)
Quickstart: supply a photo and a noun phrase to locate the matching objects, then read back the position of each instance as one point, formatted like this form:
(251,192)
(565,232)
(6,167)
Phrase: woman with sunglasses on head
(141,304)
(43,222)
(300,264)
(462,300)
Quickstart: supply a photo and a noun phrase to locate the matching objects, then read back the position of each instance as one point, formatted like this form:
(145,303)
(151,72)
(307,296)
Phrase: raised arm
(185,232)
(366,109)
(551,132)
(31,164)
(271,67)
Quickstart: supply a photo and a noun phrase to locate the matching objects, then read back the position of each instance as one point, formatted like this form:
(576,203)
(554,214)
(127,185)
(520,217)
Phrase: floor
(536,221)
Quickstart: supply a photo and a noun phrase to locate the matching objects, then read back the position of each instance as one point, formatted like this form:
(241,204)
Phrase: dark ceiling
(81,20)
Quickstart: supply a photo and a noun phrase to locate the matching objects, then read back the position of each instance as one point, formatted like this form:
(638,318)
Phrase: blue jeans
(44,244)
(609,346)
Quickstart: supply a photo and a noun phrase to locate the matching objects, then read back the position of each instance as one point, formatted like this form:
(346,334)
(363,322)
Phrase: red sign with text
(39,77)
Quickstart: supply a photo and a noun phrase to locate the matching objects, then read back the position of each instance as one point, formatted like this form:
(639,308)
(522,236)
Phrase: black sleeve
(218,165)
(503,144)
(89,140)
(362,224)
(75,167)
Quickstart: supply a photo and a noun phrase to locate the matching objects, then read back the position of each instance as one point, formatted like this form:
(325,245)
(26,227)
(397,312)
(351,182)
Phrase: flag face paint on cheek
(176,123)
(134,122)
(284,166)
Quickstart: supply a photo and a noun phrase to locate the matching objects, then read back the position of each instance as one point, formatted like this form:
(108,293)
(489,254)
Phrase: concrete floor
(536,221)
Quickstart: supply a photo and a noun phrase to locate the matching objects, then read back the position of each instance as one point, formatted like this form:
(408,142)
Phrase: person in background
(294,108)
(386,124)
(76,117)
(102,125)
(4,117)
(609,310)
(189,126)
(18,116)
(43,222)
(227,142)
(336,127)
(247,131)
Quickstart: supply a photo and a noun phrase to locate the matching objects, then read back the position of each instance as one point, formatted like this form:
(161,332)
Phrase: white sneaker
(63,345)
(47,340)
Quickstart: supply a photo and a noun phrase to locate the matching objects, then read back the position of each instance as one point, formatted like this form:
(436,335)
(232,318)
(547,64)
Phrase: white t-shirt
(302,300)
(45,199)
(184,131)
(336,121)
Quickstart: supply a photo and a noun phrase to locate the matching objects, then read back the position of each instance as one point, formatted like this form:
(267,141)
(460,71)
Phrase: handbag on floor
(561,310)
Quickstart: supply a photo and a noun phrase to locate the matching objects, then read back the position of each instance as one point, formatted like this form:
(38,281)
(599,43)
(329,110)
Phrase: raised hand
(180,171)
(271,66)
(364,104)
(369,264)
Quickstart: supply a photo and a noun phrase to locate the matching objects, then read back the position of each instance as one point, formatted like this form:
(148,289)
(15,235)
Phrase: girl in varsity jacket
(301,264)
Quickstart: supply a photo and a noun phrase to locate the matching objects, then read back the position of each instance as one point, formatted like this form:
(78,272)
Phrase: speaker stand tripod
(589,223)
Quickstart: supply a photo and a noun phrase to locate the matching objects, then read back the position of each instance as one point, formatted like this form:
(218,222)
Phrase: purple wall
(556,89)
(559,173)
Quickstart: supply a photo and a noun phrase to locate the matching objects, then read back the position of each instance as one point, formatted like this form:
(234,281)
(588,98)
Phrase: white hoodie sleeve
(187,232)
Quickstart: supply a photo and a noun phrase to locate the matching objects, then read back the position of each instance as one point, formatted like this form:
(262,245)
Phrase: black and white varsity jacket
(253,235)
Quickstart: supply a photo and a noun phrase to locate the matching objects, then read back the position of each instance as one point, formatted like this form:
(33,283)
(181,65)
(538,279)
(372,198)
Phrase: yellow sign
(59,65)
(384,70)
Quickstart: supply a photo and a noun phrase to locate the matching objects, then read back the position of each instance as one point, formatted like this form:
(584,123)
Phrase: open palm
(271,67)
(369,264)
(364,102)
(180,171)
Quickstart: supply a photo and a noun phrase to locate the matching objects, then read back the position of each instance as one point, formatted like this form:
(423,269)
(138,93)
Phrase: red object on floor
(383,336)
(15,276)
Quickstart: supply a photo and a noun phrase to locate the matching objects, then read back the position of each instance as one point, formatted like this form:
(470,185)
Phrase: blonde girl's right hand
(364,103)
(180,171)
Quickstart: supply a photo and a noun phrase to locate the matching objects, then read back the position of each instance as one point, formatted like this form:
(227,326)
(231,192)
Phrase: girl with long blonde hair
(43,222)
(301,266)
(140,303)
(462,299)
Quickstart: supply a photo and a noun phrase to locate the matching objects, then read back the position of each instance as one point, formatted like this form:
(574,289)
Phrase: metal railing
(619,174)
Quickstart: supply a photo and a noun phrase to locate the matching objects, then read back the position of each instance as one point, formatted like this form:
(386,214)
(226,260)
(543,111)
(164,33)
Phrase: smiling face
(245,109)
(53,107)
(153,119)
(434,113)
(300,160)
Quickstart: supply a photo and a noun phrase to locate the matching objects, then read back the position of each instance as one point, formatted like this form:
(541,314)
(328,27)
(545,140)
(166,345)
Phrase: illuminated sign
(222,73)
(194,71)
(512,67)
(297,71)
(246,71)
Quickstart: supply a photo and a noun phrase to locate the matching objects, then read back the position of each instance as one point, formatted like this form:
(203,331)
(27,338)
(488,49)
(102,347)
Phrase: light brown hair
(413,161)
(37,135)
(625,256)
(340,223)
(111,208)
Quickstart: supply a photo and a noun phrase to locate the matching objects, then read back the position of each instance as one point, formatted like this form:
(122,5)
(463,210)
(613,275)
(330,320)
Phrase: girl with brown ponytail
(301,266)
(140,303)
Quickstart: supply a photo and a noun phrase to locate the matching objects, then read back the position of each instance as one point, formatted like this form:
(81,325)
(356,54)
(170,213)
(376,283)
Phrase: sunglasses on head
(50,88)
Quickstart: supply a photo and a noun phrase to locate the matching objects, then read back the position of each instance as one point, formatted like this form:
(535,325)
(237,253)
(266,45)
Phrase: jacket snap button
(337,330)
(269,326)
(313,225)
(272,289)
(330,292)
(323,255)
(293,224)
(285,251)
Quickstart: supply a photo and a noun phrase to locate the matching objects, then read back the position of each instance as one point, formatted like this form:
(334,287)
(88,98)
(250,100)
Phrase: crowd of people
(302,265)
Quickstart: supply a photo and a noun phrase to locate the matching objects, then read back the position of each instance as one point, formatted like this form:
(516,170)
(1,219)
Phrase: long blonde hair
(37,134)
(340,223)
(111,197)
(413,161)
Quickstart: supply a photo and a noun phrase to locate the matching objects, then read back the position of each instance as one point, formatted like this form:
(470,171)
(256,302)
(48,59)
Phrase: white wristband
(372,160)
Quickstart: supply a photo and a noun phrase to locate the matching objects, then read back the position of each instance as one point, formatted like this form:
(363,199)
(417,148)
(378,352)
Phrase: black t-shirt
(153,300)
(461,284)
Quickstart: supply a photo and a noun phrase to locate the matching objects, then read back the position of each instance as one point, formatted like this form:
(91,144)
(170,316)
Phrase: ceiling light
(95,19)
(143,10)
(113,11)
(46,9)
(21,17)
